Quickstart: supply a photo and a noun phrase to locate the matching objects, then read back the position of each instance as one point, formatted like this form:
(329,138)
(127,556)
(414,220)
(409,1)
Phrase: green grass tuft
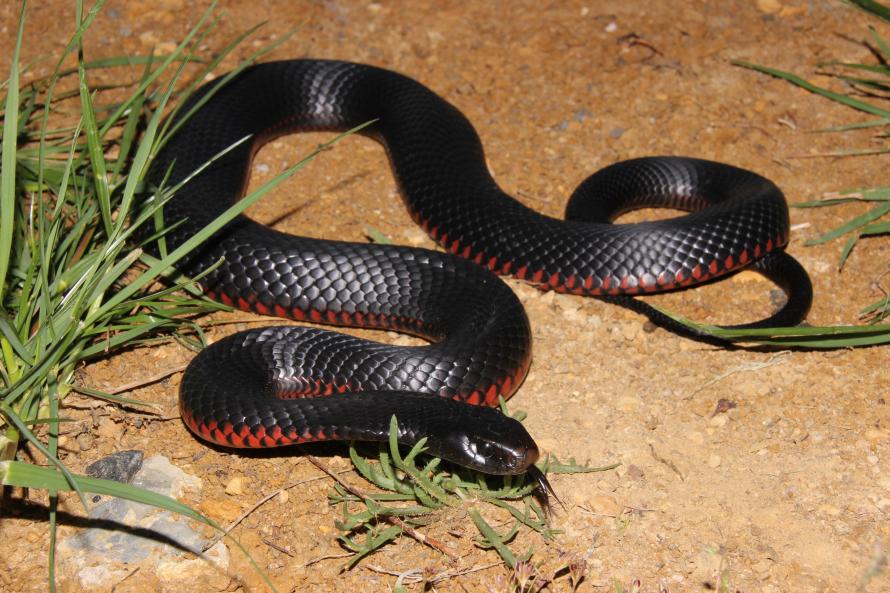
(417,489)
(75,284)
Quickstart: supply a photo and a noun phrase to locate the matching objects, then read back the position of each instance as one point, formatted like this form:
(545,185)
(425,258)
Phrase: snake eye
(485,449)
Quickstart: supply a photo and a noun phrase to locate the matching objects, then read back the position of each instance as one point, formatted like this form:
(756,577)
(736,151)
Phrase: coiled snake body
(252,389)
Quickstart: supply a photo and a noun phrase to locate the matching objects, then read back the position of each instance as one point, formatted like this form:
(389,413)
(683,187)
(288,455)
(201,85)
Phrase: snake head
(505,448)
(495,455)
(492,443)
(483,439)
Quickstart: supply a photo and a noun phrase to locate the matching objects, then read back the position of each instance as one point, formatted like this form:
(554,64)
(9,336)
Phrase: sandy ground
(788,490)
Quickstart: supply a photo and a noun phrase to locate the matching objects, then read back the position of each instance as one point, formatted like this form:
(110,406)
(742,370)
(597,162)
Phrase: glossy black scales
(481,341)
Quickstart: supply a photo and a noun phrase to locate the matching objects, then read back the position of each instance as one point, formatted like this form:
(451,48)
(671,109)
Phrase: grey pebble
(120,466)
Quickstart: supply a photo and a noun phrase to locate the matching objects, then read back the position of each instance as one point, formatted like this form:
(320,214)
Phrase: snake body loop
(253,389)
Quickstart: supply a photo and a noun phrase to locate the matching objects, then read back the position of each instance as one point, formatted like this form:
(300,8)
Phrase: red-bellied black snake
(252,389)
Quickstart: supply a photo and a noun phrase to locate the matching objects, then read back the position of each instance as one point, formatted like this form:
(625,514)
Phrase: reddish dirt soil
(789,490)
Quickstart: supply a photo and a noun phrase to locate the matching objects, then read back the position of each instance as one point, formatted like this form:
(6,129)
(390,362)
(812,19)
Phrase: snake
(283,385)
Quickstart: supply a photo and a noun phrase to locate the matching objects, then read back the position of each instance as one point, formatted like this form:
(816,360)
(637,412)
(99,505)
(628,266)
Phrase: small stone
(567,302)
(634,472)
(415,236)
(829,509)
(225,510)
(790,11)
(166,47)
(403,340)
(283,497)
(109,429)
(630,331)
(714,461)
(99,546)
(120,466)
(573,315)
(628,403)
(161,476)
(769,6)
(603,505)
(841,527)
(148,38)
(719,420)
(85,441)
(235,487)
(884,482)
(762,567)
(749,276)
(696,437)
(724,405)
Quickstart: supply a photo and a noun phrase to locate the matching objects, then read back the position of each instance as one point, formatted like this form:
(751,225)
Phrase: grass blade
(96,156)
(855,223)
(8,159)
(848,248)
(873,123)
(877,9)
(493,539)
(837,97)
(813,337)
(879,228)
(27,475)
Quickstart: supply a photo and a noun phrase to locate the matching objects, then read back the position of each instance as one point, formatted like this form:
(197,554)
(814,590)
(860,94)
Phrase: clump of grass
(75,283)
(416,489)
